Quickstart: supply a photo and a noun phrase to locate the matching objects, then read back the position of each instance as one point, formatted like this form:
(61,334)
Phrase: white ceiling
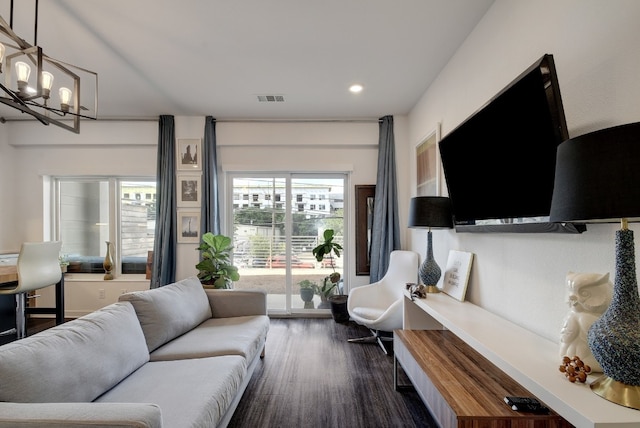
(214,57)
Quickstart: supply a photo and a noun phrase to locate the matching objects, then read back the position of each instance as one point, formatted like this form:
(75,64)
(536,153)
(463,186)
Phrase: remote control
(525,404)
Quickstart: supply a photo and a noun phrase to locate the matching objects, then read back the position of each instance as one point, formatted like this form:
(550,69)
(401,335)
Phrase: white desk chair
(378,306)
(38,267)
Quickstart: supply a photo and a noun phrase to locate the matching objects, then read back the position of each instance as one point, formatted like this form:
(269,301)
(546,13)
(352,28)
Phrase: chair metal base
(375,337)
(21,315)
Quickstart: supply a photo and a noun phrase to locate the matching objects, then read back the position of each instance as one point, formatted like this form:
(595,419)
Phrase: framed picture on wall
(188,226)
(428,165)
(189,190)
(188,155)
(364,222)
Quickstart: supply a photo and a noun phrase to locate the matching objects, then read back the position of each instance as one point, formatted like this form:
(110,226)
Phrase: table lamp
(598,180)
(430,212)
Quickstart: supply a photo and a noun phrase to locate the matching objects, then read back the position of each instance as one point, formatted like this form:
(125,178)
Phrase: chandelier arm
(25,109)
(13,95)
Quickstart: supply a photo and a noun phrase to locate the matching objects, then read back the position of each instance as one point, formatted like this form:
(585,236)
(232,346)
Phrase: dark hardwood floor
(312,377)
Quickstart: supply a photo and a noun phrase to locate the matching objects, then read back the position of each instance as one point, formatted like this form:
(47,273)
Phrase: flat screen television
(499,164)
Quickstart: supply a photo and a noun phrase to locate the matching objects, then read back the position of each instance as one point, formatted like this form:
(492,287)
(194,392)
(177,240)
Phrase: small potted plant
(215,269)
(338,302)
(307,290)
(325,291)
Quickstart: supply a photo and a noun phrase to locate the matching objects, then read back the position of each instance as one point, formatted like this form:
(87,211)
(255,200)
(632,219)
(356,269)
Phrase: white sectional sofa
(177,356)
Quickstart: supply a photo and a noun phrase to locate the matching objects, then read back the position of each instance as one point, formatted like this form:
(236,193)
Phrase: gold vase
(108,263)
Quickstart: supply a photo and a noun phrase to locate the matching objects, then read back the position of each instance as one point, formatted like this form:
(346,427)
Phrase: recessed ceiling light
(356,88)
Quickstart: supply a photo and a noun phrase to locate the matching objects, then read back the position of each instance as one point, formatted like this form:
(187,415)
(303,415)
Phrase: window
(88,213)
(273,241)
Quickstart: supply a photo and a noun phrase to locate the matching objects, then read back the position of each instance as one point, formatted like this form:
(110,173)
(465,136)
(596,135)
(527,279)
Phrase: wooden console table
(529,359)
(460,387)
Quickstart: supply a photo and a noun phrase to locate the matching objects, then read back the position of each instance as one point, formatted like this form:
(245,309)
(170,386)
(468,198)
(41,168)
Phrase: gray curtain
(164,246)
(210,211)
(385,235)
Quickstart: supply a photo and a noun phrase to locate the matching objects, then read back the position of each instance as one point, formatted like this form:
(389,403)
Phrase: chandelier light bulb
(22,71)
(47,83)
(65,98)
(22,75)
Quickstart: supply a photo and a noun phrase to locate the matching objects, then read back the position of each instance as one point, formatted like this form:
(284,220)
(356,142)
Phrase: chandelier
(43,87)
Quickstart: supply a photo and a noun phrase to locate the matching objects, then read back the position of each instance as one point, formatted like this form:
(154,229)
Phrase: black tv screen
(499,164)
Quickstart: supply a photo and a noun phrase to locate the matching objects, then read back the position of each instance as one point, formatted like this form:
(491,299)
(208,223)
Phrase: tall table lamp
(598,180)
(430,212)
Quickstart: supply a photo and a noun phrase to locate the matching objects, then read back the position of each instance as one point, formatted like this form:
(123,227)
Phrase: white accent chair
(378,306)
(38,267)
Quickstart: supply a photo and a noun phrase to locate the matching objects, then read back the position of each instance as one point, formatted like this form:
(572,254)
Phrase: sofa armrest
(94,415)
(237,303)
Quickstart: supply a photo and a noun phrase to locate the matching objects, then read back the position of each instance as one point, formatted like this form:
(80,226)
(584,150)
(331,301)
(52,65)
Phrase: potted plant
(328,247)
(325,291)
(215,269)
(338,302)
(307,290)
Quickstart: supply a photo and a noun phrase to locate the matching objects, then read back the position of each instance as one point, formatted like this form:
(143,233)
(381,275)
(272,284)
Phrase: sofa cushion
(75,361)
(167,312)
(190,393)
(244,336)
(78,415)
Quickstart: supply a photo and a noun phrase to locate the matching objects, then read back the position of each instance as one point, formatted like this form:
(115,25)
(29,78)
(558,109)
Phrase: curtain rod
(155,119)
(238,120)
(298,120)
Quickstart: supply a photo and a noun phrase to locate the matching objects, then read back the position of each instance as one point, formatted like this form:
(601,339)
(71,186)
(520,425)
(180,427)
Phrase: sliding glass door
(277,220)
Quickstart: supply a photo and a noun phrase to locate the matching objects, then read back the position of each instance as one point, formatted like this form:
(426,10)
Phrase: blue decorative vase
(614,339)
(429,270)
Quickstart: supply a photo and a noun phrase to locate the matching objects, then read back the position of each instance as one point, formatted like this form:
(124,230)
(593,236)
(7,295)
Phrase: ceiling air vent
(271,98)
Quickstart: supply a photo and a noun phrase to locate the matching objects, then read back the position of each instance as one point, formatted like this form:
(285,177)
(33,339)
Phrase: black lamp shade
(598,177)
(430,212)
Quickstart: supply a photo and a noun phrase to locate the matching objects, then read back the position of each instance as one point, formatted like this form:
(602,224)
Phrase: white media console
(528,358)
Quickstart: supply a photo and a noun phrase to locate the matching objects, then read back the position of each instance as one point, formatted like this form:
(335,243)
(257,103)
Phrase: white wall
(595,46)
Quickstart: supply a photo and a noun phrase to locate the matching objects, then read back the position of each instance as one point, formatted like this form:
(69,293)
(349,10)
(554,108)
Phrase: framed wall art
(428,165)
(189,155)
(188,190)
(188,227)
(364,222)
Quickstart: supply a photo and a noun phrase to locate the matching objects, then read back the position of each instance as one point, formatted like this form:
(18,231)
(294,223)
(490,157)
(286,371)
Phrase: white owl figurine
(588,296)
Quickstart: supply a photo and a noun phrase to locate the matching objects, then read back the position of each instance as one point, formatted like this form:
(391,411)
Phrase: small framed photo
(456,275)
(189,154)
(189,190)
(188,227)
